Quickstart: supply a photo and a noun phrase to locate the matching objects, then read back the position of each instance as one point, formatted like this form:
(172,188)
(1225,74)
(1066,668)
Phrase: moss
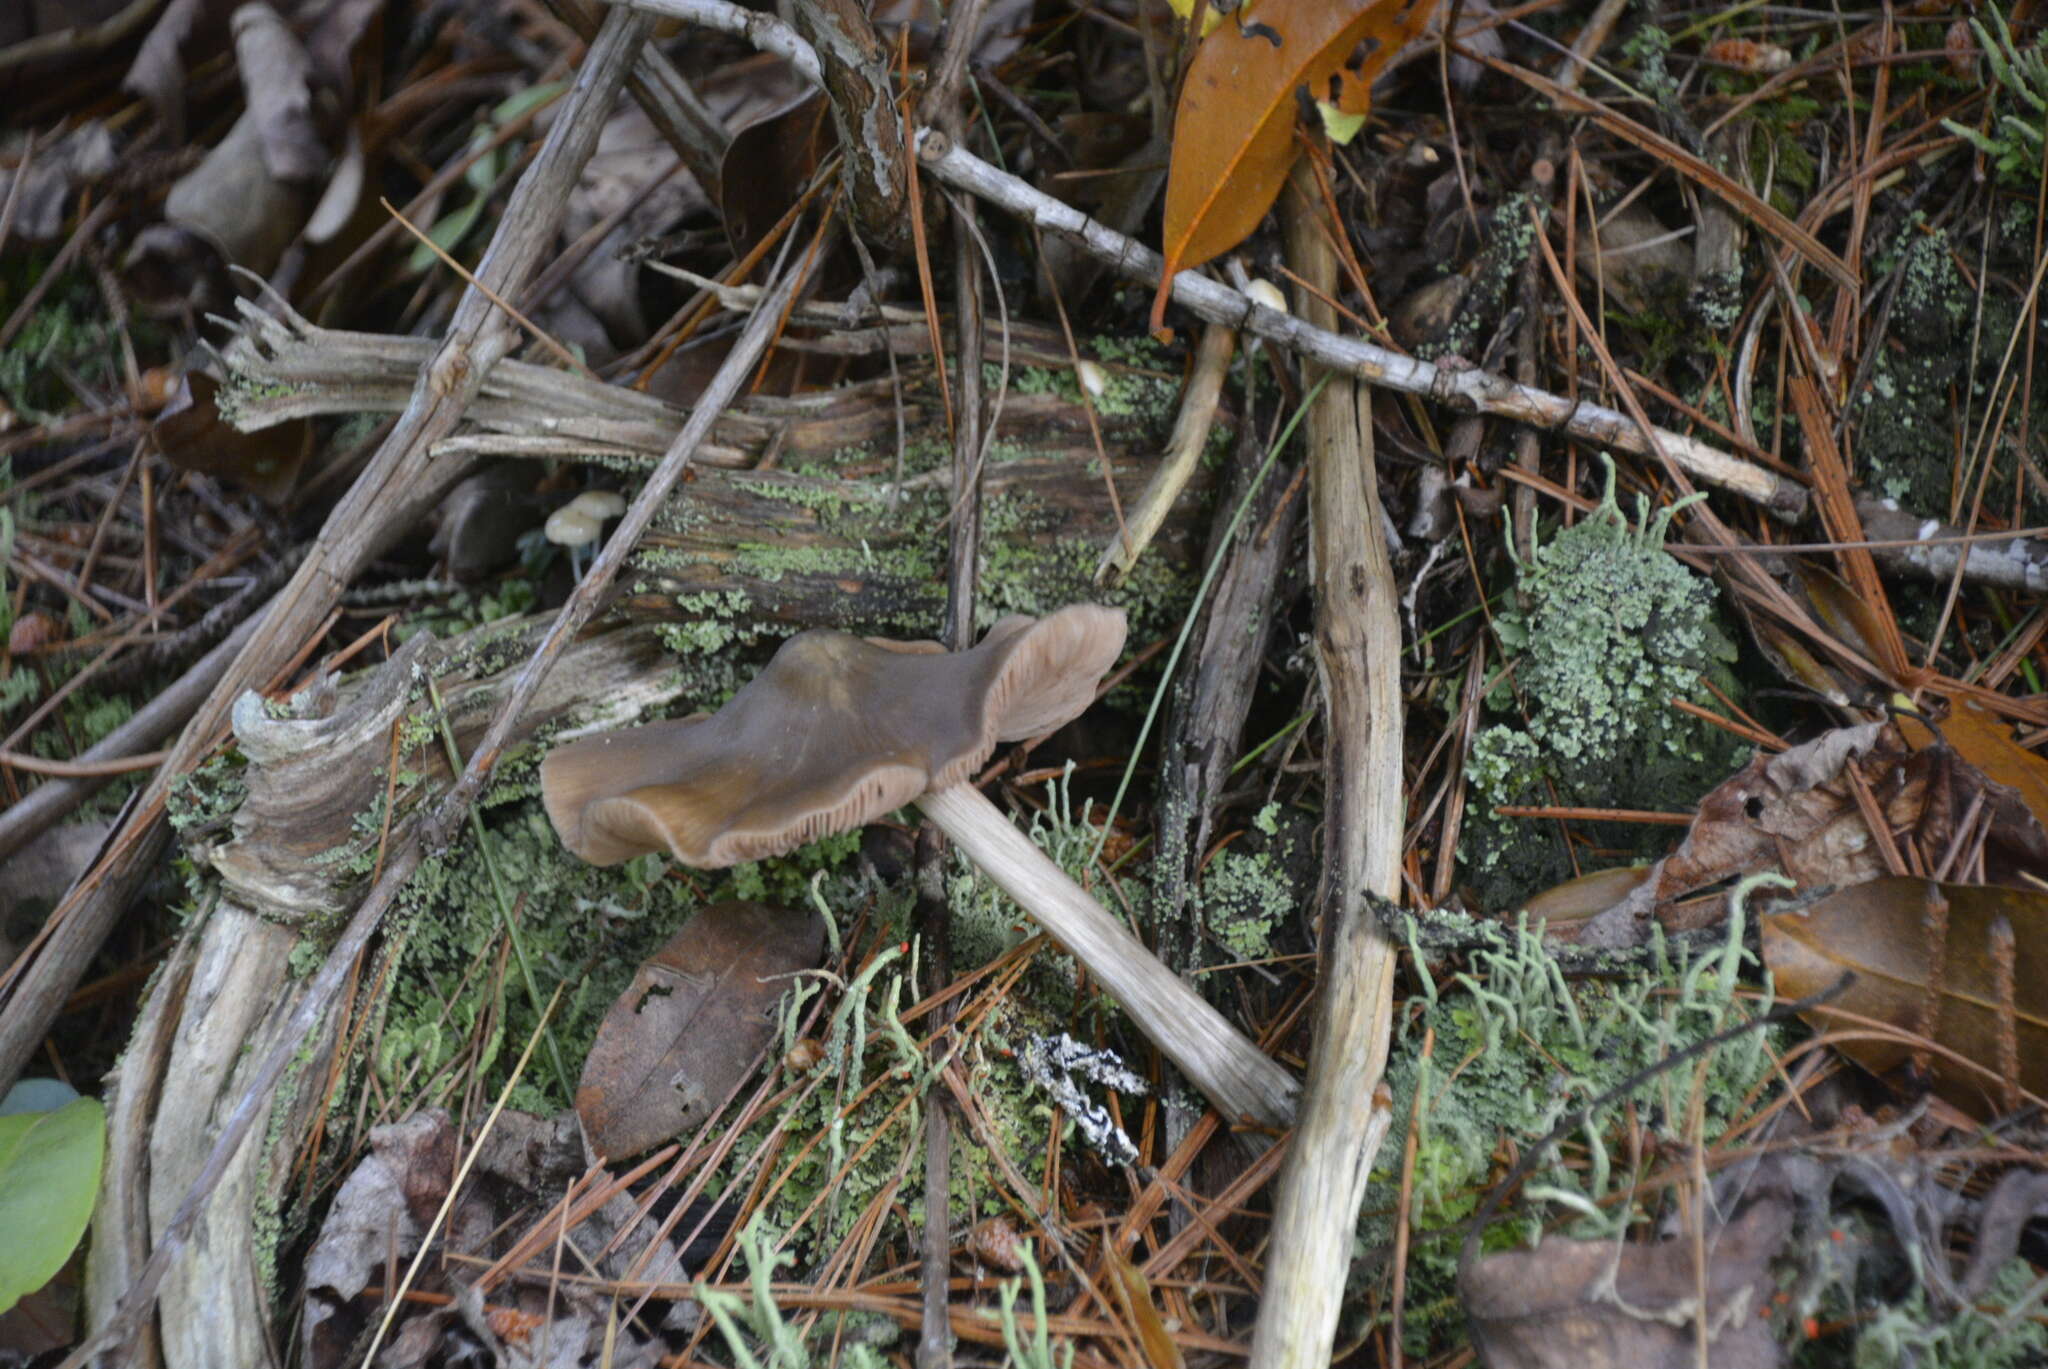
(1021,572)
(455,975)
(1141,382)
(856,1130)
(68,340)
(1517,1048)
(1614,630)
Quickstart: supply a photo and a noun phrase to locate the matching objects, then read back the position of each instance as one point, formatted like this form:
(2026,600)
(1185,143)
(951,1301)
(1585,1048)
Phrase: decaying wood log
(826,538)
(815,550)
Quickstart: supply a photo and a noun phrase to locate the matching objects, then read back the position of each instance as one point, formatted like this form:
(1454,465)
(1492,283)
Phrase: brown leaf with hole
(1791,810)
(692,1024)
(1888,932)
(1233,133)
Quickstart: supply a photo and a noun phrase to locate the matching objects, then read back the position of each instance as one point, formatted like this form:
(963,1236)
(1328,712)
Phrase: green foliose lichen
(1615,628)
(1252,889)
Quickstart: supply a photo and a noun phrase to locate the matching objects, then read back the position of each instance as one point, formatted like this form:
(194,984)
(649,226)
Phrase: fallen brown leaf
(692,1023)
(1926,971)
(1623,1305)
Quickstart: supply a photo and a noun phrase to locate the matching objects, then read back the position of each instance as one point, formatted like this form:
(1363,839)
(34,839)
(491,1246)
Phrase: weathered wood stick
(1358,653)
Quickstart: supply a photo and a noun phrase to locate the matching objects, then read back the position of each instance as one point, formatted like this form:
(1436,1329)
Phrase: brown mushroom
(837,731)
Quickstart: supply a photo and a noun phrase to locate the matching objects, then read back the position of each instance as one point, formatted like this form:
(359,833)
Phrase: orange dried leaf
(1134,1296)
(1983,739)
(1233,135)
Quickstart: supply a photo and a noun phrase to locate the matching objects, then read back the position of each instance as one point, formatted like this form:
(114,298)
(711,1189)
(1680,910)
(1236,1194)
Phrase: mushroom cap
(1263,291)
(599,504)
(570,526)
(835,731)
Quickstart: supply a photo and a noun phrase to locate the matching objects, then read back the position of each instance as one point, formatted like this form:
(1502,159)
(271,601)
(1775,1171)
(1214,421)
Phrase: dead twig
(1345,1111)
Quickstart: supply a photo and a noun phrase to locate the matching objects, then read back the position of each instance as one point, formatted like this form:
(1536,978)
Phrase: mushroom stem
(1244,1083)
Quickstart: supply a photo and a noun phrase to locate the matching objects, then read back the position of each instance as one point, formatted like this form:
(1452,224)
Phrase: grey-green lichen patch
(1510,235)
(205,797)
(1141,382)
(2000,1330)
(1517,1047)
(1904,417)
(1615,628)
(1252,889)
(986,922)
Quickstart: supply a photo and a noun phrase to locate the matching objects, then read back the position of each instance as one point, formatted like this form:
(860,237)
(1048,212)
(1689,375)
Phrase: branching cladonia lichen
(1517,1047)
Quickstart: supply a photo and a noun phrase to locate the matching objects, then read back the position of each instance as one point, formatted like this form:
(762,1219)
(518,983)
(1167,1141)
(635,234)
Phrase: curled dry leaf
(1598,1305)
(1798,813)
(379,1214)
(692,1024)
(1929,960)
(51,177)
(277,82)
(232,202)
(1233,134)
(158,72)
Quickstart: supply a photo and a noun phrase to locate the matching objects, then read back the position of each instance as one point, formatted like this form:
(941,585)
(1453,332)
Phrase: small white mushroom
(573,528)
(1092,377)
(1262,291)
(599,504)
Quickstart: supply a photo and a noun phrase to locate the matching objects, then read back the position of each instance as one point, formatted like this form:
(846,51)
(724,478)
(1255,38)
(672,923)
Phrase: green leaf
(1340,126)
(49,1172)
(447,233)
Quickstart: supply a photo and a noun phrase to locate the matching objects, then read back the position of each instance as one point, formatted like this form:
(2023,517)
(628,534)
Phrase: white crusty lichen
(1051,1062)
